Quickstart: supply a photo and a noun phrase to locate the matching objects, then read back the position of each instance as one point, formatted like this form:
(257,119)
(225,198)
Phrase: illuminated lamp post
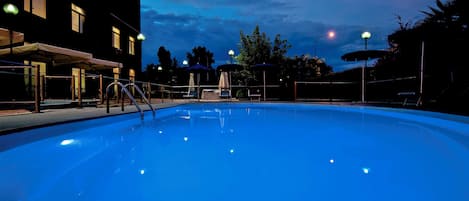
(10,9)
(140,37)
(231,53)
(365,36)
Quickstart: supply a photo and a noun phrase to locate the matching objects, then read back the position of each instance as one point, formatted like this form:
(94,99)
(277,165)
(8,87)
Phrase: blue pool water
(242,152)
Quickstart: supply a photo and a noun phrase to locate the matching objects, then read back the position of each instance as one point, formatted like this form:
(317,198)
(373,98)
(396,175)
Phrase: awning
(100,64)
(18,37)
(48,53)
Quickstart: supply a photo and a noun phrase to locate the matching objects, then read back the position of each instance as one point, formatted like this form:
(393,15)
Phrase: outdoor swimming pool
(243,152)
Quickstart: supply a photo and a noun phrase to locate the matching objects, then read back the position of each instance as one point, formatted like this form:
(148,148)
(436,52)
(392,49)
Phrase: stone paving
(15,120)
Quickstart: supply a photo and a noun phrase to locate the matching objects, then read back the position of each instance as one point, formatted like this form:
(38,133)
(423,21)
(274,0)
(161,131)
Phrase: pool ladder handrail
(143,96)
(123,89)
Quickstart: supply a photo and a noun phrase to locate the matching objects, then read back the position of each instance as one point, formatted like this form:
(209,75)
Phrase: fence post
(107,101)
(162,93)
(422,57)
(149,91)
(79,88)
(101,97)
(73,87)
(294,91)
(41,87)
(37,98)
(122,101)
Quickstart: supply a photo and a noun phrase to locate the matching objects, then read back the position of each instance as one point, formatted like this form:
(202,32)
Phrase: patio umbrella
(197,68)
(263,67)
(191,82)
(228,68)
(223,82)
(363,55)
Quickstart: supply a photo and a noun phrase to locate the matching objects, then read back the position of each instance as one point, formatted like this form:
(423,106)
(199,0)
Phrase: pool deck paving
(22,119)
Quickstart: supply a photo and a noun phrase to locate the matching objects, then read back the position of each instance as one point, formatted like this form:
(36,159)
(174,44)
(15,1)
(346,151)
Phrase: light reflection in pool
(246,152)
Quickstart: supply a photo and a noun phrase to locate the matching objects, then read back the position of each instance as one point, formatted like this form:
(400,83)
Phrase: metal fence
(394,91)
(19,83)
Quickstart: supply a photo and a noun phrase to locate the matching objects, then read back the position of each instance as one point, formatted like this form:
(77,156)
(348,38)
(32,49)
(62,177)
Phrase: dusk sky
(180,25)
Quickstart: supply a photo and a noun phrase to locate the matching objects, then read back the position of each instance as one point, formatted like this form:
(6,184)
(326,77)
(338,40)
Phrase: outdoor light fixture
(140,37)
(231,53)
(365,36)
(10,8)
(185,62)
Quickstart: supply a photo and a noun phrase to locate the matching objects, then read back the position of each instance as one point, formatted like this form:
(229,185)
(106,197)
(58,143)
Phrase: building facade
(72,37)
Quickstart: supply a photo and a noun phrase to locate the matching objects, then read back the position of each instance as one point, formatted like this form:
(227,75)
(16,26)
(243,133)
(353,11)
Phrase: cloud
(180,25)
(180,33)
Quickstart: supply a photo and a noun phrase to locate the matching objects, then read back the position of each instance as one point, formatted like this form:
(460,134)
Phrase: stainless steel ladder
(143,96)
(124,90)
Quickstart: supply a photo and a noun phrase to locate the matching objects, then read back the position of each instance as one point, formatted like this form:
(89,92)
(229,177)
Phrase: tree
(255,48)
(201,56)
(150,72)
(175,63)
(444,32)
(164,56)
(279,50)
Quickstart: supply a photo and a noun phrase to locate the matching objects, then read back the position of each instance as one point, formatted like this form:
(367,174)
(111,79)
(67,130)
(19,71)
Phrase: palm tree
(444,30)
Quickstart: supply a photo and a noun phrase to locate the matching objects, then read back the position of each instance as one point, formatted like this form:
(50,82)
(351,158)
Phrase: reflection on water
(243,152)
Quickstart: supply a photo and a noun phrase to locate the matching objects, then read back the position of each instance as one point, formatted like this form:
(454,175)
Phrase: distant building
(67,37)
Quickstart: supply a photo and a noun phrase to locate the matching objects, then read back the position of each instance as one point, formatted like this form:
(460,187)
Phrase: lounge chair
(256,95)
(225,93)
(190,94)
(410,98)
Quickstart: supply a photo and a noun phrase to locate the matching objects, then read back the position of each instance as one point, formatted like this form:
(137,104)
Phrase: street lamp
(365,36)
(185,62)
(231,53)
(140,37)
(10,9)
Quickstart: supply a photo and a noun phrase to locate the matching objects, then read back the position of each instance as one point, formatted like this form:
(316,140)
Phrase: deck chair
(225,93)
(410,98)
(190,94)
(256,95)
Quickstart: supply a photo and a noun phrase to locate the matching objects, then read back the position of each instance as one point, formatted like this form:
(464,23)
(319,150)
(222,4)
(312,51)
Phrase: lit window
(37,7)
(78,18)
(29,78)
(76,74)
(116,37)
(131,45)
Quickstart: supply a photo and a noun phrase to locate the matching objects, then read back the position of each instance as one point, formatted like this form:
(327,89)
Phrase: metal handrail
(124,89)
(143,96)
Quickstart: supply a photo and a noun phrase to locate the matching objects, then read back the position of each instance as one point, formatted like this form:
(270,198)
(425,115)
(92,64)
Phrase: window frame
(40,5)
(81,17)
(116,38)
(131,45)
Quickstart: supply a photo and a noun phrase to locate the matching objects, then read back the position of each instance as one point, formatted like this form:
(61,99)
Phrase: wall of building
(97,36)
